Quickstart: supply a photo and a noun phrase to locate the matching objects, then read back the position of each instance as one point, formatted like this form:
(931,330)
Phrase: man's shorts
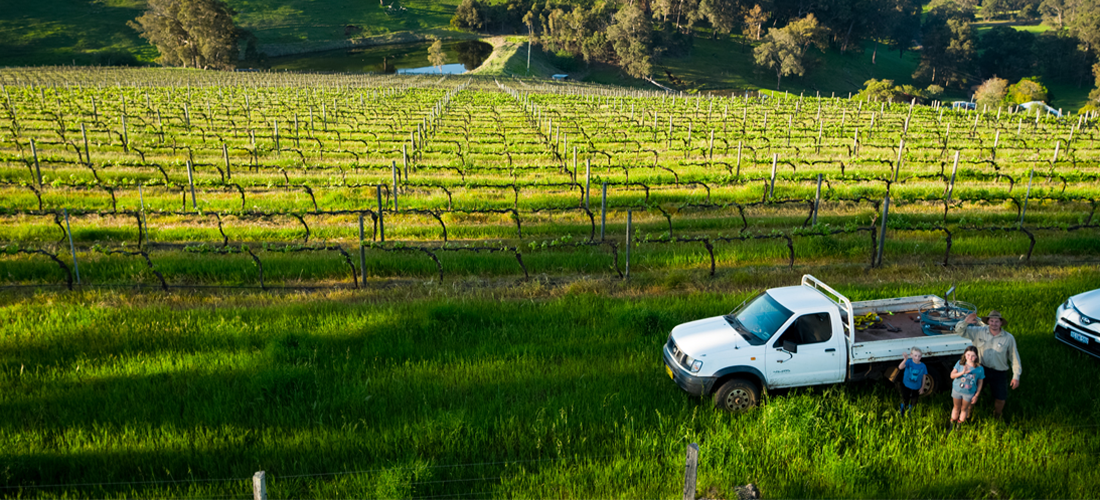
(997,381)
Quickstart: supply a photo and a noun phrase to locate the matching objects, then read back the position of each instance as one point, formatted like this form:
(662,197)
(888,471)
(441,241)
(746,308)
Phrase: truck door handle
(830,350)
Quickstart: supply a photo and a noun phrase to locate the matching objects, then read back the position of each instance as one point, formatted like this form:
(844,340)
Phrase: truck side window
(808,329)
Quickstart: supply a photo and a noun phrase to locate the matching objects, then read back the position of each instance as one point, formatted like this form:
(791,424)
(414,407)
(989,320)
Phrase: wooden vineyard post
(275,135)
(72,248)
(191,182)
(405,160)
(882,232)
(37,169)
(855,144)
(125,133)
(87,155)
(362,255)
(629,224)
(1027,194)
(996,140)
(587,180)
(1055,159)
(711,153)
(225,156)
(603,211)
(144,223)
(790,119)
(951,186)
(381,223)
(771,185)
(259,486)
(901,148)
(817,200)
(739,143)
(691,467)
(394,168)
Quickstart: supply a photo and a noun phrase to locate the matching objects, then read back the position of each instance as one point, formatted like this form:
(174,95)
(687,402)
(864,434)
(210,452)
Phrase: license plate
(669,371)
(1076,336)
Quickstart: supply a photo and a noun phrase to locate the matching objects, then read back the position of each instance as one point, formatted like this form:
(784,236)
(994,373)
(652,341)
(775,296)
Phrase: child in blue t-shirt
(912,378)
(968,378)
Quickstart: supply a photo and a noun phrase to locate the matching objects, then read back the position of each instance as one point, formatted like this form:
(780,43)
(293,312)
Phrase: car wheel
(736,395)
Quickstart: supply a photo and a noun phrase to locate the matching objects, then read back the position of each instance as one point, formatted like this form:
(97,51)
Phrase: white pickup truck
(806,335)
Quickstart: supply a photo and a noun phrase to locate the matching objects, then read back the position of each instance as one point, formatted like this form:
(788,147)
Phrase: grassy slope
(33,33)
(565,379)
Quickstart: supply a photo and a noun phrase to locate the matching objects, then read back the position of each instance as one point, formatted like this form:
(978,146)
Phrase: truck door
(806,353)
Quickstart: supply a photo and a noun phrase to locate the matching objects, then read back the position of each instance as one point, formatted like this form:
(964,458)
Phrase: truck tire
(935,381)
(736,395)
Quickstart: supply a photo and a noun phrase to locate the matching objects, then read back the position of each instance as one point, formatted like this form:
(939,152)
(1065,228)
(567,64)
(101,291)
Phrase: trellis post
(225,156)
(882,231)
(191,181)
(691,466)
(37,169)
(629,224)
(1027,194)
(393,166)
(603,211)
(587,180)
(259,486)
(362,255)
(771,186)
(381,224)
(72,247)
(817,199)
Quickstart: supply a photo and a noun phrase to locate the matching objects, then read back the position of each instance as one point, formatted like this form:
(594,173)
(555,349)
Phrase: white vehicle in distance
(807,335)
(1078,322)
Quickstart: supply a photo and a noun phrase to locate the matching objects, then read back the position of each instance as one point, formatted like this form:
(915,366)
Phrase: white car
(1078,322)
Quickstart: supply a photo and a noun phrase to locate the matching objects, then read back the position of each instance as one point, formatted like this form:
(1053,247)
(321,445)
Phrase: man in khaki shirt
(998,353)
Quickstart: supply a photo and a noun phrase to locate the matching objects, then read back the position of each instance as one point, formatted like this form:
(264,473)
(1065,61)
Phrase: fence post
(603,211)
(817,199)
(393,166)
(771,186)
(690,468)
(882,232)
(225,156)
(37,170)
(362,255)
(87,155)
(587,180)
(259,486)
(1055,160)
(1027,194)
(954,170)
(629,223)
(381,224)
(901,149)
(739,143)
(191,181)
(144,223)
(72,248)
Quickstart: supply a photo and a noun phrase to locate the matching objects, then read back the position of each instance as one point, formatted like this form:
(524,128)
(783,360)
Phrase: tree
(467,15)
(1026,90)
(631,36)
(436,56)
(991,93)
(755,18)
(724,15)
(784,49)
(191,33)
(1007,52)
(949,45)
(878,90)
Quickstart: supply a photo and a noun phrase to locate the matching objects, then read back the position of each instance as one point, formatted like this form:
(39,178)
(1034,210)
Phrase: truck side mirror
(790,347)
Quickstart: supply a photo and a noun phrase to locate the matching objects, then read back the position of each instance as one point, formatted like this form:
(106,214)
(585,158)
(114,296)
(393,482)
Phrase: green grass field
(528,391)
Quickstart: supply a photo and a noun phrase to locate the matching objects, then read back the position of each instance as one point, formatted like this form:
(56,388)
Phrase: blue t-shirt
(914,374)
(967,385)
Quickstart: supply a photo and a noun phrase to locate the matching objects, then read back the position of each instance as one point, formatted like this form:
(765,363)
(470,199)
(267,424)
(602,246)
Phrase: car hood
(1088,303)
(707,336)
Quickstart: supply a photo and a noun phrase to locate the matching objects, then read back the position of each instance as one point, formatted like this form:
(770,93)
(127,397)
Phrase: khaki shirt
(997,351)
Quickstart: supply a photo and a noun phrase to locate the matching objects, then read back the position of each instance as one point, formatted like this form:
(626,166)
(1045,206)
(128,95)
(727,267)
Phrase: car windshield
(759,319)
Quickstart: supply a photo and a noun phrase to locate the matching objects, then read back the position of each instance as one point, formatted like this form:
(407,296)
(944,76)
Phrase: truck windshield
(759,319)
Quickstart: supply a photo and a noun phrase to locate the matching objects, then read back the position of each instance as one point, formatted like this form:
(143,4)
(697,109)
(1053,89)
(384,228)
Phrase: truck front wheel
(736,395)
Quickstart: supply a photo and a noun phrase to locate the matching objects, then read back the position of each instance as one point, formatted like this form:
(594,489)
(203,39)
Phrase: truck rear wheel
(935,381)
(736,395)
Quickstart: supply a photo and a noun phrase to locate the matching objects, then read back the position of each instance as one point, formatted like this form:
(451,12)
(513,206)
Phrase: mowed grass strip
(561,394)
